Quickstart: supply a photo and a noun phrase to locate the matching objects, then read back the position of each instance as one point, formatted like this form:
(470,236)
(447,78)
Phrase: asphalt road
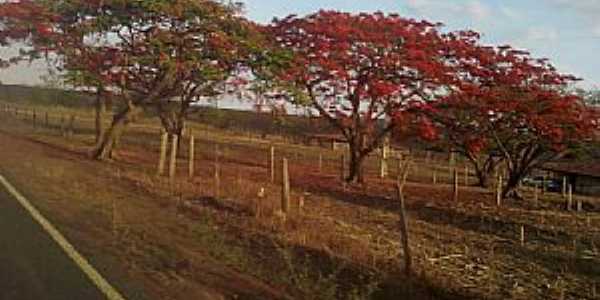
(32,265)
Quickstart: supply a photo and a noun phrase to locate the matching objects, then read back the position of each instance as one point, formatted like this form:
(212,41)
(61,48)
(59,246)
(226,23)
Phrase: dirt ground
(203,238)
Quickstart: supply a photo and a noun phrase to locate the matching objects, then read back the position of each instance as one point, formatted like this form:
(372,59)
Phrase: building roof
(589,168)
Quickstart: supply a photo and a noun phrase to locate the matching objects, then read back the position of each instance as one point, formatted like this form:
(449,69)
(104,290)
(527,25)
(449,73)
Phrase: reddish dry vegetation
(182,240)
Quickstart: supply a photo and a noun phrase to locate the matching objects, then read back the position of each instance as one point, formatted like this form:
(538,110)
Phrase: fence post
(522,237)
(455,185)
(499,191)
(434,176)
(34,116)
(217,179)
(164,140)
(343,168)
(383,165)
(570,198)
(217,173)
(173,161)
(285,188)
(272,163)
(191,156)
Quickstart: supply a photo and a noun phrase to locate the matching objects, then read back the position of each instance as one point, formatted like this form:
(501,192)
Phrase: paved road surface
(32,265)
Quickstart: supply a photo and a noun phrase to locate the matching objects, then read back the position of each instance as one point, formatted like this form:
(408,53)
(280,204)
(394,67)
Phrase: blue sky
(566,31)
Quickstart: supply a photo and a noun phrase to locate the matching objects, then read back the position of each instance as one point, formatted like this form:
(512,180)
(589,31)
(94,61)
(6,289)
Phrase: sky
(565,31)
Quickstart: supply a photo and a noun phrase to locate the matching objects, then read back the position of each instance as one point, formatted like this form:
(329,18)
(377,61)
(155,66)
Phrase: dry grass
(178,238)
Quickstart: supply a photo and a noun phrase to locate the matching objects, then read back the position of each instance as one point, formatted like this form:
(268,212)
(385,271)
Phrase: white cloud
(588,10)
(474,9)
(542,34)
(477,10)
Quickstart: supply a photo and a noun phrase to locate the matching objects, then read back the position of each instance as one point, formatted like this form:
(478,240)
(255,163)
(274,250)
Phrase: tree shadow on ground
(329,276)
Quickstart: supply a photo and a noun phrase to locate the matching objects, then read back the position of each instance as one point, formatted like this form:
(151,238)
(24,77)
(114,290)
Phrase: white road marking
(109,291)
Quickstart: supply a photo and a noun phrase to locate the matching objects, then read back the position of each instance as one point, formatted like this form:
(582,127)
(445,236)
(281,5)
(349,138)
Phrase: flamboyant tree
(147,53)
(508,107)
(534,126)
(356,70)
(461,116)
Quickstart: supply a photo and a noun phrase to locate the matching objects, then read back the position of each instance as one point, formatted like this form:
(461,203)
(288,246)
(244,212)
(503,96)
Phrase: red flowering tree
(155,54)
(508,107)
(356,70)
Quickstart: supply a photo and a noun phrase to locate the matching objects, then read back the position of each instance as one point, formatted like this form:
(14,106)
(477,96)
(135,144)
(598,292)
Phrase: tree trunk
(355,174)
(120,121)
(173,121)
(483,178)
(100,112)
(510,190)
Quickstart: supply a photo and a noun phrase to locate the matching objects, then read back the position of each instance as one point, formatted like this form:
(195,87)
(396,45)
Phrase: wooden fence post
(191,156)
(434,176)
(173,161)
(285,187)
(455,185)
(403,169)
(34,117)
(272,163)
(164,140)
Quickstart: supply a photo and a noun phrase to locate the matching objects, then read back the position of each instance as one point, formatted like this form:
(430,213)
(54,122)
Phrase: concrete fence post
(564,186)
(164,140)
(499,191)
(173,160)
(285,187)
(191,156)
(570,198)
